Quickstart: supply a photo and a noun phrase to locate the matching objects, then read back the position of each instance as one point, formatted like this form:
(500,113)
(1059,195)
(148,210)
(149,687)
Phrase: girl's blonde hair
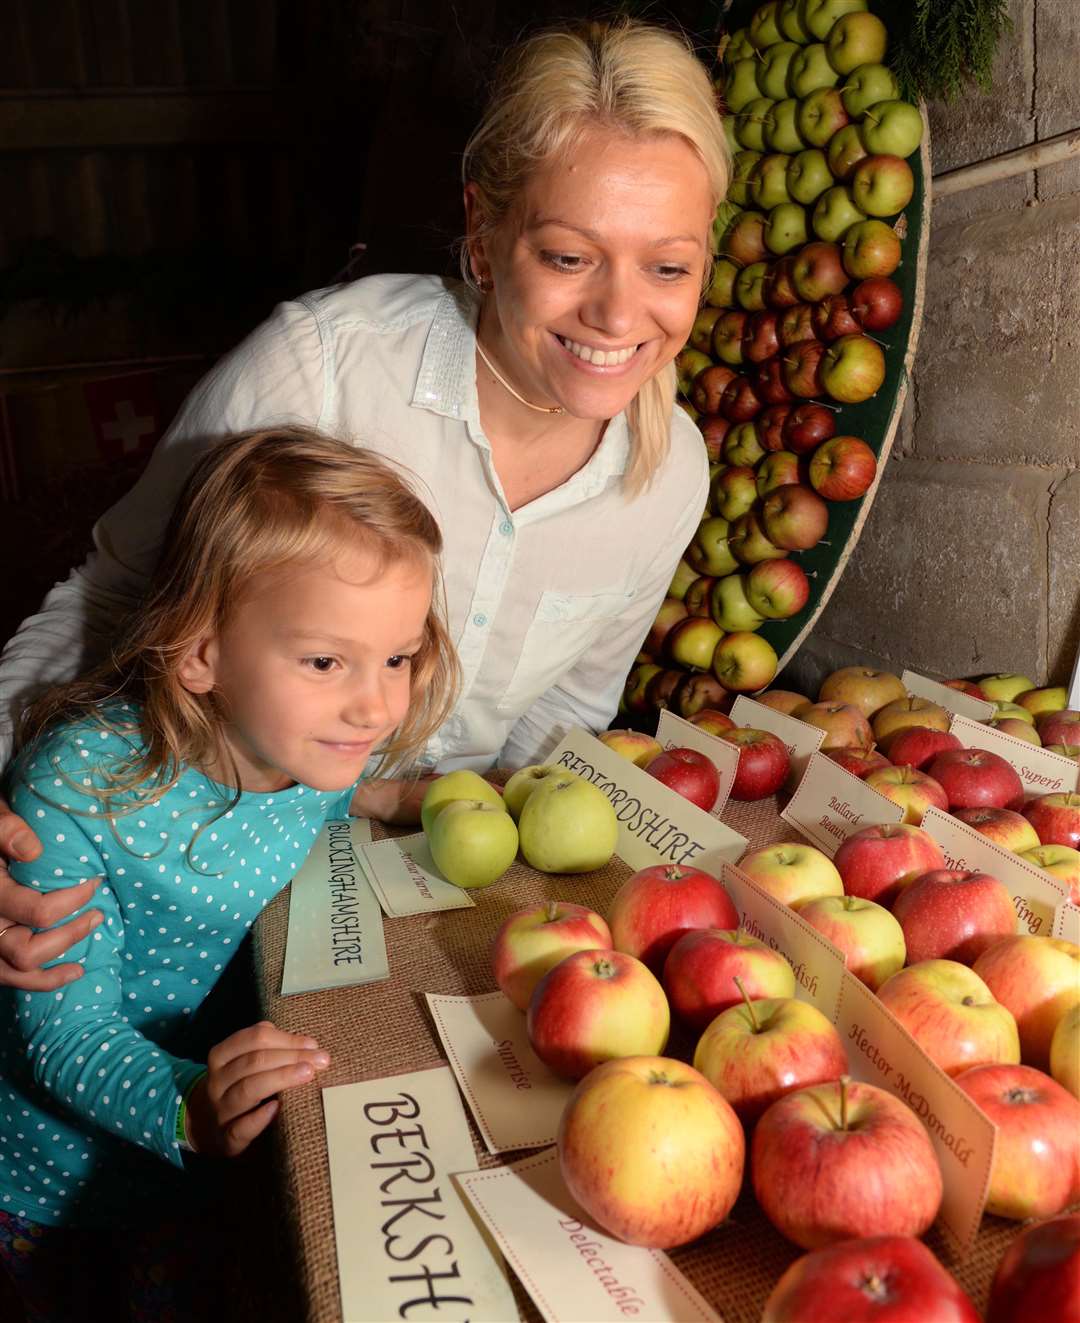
(636,78)
(257,502)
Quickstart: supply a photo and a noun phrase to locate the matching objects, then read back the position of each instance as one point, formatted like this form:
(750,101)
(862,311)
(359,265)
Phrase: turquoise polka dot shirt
(185,876)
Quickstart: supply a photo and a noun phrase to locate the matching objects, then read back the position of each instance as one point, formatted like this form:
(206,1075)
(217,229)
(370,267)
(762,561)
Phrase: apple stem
(845,1080)
(749,1004)
(877,341)
(552,911)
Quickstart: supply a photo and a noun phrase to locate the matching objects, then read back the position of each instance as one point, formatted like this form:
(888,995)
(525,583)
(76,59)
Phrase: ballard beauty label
(407,1247)
(572,1270)
(952,700)
(675,733)
(406,881)
(515,1100)
(1036,894)
(335,935)
(882,1052)
(831,803)
(656,826)
(1042,772)
(802,739)
(1067,922)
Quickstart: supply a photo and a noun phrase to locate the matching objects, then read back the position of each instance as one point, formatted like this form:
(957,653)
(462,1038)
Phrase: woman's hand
(23,909)
(233,1103)
(391,800)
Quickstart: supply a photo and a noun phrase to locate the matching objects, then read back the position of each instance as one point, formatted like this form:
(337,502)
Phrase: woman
(536,402)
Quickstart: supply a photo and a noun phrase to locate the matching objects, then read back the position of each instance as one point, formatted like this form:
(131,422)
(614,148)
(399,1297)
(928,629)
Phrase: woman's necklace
(540,408)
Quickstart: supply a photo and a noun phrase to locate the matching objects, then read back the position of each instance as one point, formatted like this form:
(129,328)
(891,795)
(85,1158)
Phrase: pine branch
(940,47)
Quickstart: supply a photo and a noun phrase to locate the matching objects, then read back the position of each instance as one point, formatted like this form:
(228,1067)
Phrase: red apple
(792,871)
(656,905)
(801,363)
(1059,727)
(779,289)
(863,687)
(768,383)
(976,778)
(782,700)
(807,426)
(914,791)
(769,424)
(844,725)
(952,1015)
(1038,1276)
(764,763)
(843,468)
(918,746)
(967,687)
(876,304)
(759,337)
(739,402)
(869,936)
(832,318)
(811,1154)
(877,862)
(953,914)
(727,337)
(1056,818)
(671,611)
(698,692)
(1038,979)
(818,271)
(796,325)
(661,688)
(709,386)
(859,762)
(713,429)
(777,589)
(533,940)
(852,368)
(1010,830)
(794,517)
(696,597)
(688,773)
(1036,1168)
(701,967)
(871,248)
(712,721)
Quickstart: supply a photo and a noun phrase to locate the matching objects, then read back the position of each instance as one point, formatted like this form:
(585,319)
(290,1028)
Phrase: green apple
(688,363)
(721,292)
(462,784)
(684,576)
(750,123)
(856,39)
(568,827)
(739,47)
(768,186)
(743,448)
(808,176)
(786,228)
(772,69)
(726,216)
(709,551)
(782,129)
(763,29)
(1065,1052)
(845,150)
(742,169)
(749,286)
(789,21)
(891,128)
(869,936)
(820,115)
(727,123)
(882,185)
(472,842)
(741,85)
(1055,698)
(865,86)
(818,16)
(835,212)
(729,607)
(1005,687)
(701,331)
(524,781)
(810,69)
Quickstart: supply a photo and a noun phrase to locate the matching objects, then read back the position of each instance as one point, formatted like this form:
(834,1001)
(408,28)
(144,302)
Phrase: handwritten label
(675,733)
(1036,894)
(1067,922)
(802,739)
(656,825)
(1042,772)
(335,937)
(406,881)
(515,1100)
(952,700)
(830,804)
(407,1246)
(570,1268)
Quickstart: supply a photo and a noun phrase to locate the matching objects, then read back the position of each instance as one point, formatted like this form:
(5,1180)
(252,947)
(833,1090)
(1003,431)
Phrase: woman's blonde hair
(636,78)
(255,503)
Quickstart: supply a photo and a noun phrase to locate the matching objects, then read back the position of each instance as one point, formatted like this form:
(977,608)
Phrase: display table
(382,1029)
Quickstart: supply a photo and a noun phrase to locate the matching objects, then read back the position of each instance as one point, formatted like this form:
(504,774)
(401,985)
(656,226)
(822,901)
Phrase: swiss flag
(124,415)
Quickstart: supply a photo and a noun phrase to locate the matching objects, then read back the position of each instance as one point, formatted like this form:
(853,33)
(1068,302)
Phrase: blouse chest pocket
(561,631)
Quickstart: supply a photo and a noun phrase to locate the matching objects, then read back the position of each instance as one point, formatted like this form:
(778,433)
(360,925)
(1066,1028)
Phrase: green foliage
(939,47)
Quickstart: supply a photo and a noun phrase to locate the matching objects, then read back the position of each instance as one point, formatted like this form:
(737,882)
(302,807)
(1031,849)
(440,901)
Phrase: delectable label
(952,700)
(675,733)
(802,739)
(570,1268)
(1067,922)
(335,935)
(407,1246)
(656,825)
(831,803)
(1042,772)
(515,1100)
(406,881)
(1036,894)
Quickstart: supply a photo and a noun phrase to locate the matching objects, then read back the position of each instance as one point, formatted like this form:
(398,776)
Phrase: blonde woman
(535,401)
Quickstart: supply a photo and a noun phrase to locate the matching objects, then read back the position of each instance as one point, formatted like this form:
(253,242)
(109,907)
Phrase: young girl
(290,631)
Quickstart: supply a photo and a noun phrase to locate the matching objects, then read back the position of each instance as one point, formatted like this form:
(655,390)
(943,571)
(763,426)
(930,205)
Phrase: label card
(1067,922)
(656,825)
(818,965)
(1036,894)
(1042,772)
(952,700)
(335,936)
(406,880)
(831,803)
(882,1052)
(675,733)
(407,1245)
(802,739)
(572,1270)
(515,1100)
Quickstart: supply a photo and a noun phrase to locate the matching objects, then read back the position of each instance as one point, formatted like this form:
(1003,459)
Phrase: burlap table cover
(383,1030)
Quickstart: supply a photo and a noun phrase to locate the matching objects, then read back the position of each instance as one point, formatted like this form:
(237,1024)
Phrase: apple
(749,543)
(689,773)
(882,185)
(1065,1051)
(733,491)
(688,364)
(843,468)
(1059,727)
(1019,730)
(810,1157)
(692,641)
(764,763)
(802,367)
(782,700)
(810,70)
(867,85)
(701,335)
(844,152)
(1038,979)
(786,228)
(818,16)
(1039,1274)
(768,183)
(796,323)
(656,905)
(768,383)
(914,791)
(904,712)
(820,115)
(567,827)
(740,85)
(742,447)
(807,426)
(763,28)
(523,782)
(1056,818)
(700,691)
(818,271)
(1013,710)
(855,39)
(873,1277)
(772,69)
(473,842)
(918,746)
(863,687)
(634,745)
(711,721)
(758,1051)
(696,600)
(859,762)
(727,337)
(1010,830)
(462,784)
(750,123)
(791,871)
(835,212)
(954,914)
(789,21)
(782,127)
(739,402)
(779,469)
(1060,861)
(744,662)
(651,1151)
(877,862)
(965,687)
(779,289)
(871,248)
(831,318)
(1005,686)
(701,967)
(708,386)
(684,576)
(795,518)
(1036,1167)
(876,304)
(721,291)
(844,725)
(533,940)
(661,689)
(713,430)
(633,696)
(977,778)
(729,607)
(744,243)
(853,368)
(669,613)
(891,128)
(777,589)
(808,176)
(738,47)
(869,936)
(742,171)
(759,337)
(1044,701)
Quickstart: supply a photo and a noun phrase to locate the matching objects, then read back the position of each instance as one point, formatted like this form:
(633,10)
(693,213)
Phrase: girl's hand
(233,1103)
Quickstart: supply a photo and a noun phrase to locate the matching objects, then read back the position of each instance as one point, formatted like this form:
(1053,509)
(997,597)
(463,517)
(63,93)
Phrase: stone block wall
(970,559)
